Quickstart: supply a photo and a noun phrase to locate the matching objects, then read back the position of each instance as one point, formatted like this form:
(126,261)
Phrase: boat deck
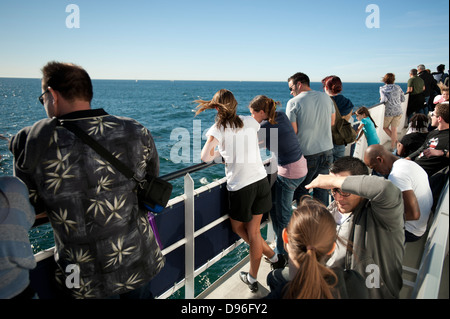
(230,286)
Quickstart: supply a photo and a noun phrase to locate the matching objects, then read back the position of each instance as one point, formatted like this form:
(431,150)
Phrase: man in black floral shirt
(92,207)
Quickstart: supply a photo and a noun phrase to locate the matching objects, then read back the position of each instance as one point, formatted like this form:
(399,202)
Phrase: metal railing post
(189,235)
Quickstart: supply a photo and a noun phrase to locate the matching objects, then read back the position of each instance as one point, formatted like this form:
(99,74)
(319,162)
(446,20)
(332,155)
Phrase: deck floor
(231,286)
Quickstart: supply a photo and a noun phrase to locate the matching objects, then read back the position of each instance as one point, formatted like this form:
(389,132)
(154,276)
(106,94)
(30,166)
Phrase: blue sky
(245,40)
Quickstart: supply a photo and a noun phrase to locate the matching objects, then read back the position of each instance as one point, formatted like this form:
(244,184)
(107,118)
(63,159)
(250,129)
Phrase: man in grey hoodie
(369,214)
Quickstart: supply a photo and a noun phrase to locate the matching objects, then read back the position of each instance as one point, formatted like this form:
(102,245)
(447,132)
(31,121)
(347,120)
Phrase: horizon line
(165,80)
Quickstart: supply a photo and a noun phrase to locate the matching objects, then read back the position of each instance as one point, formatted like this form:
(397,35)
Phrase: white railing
(190,234)
(429,276)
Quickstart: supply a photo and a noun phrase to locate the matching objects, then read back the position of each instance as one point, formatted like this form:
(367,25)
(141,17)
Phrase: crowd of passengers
(352,247)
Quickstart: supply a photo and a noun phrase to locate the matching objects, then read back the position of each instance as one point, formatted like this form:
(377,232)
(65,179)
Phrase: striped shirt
(16,218)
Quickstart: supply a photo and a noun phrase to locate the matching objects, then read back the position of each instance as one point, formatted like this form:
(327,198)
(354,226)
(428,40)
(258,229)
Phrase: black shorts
(254,199)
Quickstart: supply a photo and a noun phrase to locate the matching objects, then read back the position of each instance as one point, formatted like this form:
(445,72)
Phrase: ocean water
(167,109)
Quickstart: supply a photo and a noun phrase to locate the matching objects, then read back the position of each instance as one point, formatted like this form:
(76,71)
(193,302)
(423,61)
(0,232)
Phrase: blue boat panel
(42,279)
(208,245)
(213,242)
(172,272)
(170,224)
(206,204)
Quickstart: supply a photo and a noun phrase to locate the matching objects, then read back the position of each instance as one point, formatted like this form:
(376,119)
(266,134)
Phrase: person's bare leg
(388,131)
(240,229)
(250,232)
(393,137)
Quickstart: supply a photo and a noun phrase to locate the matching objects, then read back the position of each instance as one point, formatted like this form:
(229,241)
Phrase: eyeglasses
(41,97)
(292,88)
(434,114)
(339,191)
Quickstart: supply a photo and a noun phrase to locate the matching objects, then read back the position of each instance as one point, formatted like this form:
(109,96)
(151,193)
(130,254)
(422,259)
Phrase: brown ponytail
(225,104)
(311,236)
(269,106)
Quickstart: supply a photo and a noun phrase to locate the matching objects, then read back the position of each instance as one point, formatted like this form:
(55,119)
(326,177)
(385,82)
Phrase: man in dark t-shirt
(411,142)
(430,87)
(433,154)
(416,88)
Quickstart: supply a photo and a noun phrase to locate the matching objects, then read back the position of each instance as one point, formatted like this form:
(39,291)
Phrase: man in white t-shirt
(412,180)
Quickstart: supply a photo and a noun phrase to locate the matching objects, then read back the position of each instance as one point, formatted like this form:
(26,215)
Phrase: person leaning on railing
(93,209)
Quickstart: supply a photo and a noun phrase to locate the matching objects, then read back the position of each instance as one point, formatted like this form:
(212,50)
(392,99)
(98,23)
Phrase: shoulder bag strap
(338,114)
(121,167)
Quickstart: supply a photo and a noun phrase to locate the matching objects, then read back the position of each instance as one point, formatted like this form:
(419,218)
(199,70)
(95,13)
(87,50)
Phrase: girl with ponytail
(310,239)
(236,138)
(278,136)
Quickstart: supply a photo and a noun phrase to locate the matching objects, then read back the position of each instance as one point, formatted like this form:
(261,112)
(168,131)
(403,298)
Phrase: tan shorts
(393,121)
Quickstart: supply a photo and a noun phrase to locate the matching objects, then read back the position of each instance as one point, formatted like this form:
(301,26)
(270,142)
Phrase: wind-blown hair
(226,105)
(389,78)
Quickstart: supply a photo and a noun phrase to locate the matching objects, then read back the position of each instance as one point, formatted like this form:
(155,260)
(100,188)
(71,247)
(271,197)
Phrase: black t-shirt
(437,140)
(411,142)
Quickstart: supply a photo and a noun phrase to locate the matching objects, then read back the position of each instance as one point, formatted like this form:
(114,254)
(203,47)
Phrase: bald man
(412,180)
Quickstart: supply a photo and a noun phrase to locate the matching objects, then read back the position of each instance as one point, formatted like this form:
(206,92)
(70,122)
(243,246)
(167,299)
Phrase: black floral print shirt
(92,207)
